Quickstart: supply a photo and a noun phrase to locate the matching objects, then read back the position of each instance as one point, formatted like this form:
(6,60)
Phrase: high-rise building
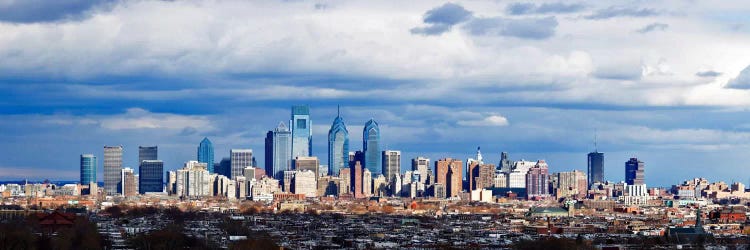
(391,163)
(421,166)
(517,176)
(240,159)
(88,169)
(481,176)
(378,185)
(448,174)
(366,183)
(128,182)
(225,167)
(147,153)
(307,163)
(571,184)
(505,163)
(193,180)
(301,131)
(287,180)
(338,146)
(206,154)
(278,151)
(371,147)
(356,179)
(537,181)
(305,183)
(595,167)
(635,172)
(151,176)
(345,186)
(113,170)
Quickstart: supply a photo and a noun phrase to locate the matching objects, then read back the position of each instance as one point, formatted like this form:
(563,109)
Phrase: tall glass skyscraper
(595,167)
(240,159)
(371,147)
(151,176)
(112,169)
(147,153)
(635,172)
(206,154)
(301,131)
(278,151)
(88,169)
(338,146)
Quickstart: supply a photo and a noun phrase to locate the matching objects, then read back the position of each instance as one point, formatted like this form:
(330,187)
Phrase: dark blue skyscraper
(88,169)
(151,176)
(371,147)
(338,146)
(147,153)
(206,154)
(595,167)
(278,151)
(635,172)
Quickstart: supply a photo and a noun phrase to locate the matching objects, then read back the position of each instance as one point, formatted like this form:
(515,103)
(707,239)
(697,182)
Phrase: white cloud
(489,121)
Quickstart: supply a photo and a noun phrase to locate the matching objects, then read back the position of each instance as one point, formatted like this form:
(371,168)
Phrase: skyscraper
(421,165)
(112,169)
(301,131)
(88,169)
(278,151)
(595,167)
(128,182)
(239,159)
(307,163)
(224,167)
(391,163)
(338,146)
(537,181)
(635,172)
(371,147)
(505,163)
(151,176)
(448,175)
(147,153)
(206,154)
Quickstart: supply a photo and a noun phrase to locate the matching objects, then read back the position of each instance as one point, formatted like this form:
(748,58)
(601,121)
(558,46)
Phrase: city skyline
(535,79)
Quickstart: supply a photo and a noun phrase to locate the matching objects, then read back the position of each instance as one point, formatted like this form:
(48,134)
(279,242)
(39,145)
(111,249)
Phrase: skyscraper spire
(596,149)
(479,155)
(338,110)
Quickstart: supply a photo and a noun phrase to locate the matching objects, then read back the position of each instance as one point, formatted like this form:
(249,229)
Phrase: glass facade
(301,132)
(151,176)
(206,154)
(338,146)
(88,169)
(112,169)
(595,168)
(279,144)
(147,153)
(371,147)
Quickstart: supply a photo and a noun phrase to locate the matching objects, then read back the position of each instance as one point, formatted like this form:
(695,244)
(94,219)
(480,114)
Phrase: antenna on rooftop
(596,147)
(338,110)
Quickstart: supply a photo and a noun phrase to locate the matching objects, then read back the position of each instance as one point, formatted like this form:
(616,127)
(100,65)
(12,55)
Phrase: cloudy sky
(665,81)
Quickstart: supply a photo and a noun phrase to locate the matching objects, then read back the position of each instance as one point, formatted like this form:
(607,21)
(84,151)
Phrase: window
(301,123)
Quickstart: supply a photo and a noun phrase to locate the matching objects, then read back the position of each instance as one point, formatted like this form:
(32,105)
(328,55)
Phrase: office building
(193,180)
(113,170)
(287,180)
(305,183)
(635,172)
(206,154)
(517,175)
(356,172)
(595,168)
(371,147)
(421,166)
(301,131)
(537,181)
(572,184)
(88,169)
(128,182)
(239,159)
(151,176)
(505,163)
(278,151)
(366,182)
(391,163)
(481,176)
(307,163)
(345,186)
(147,153)
(338,146)
(224,167)
(448,174)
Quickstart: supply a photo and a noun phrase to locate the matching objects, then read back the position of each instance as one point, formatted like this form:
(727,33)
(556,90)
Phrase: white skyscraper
(240,159)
